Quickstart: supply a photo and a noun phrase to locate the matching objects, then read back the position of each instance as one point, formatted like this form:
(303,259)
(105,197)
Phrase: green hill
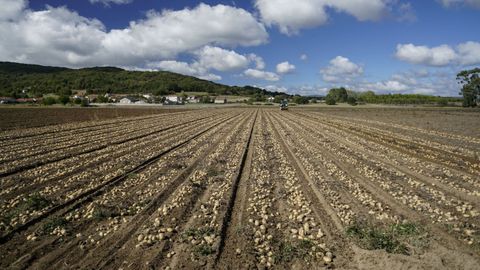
(37,80)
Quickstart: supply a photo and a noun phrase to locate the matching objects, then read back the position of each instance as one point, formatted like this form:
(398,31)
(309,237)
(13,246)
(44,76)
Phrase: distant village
(82,97)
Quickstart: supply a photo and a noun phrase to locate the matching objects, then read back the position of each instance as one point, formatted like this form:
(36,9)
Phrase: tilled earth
(237,188)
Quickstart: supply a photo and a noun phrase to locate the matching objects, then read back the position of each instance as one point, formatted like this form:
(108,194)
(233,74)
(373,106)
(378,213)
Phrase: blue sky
(302,46)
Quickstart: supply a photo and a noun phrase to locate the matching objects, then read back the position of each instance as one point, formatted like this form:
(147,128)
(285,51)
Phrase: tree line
(16,79)
(343,95)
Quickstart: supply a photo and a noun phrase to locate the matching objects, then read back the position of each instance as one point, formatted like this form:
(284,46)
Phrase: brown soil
(24,117)
(242,189)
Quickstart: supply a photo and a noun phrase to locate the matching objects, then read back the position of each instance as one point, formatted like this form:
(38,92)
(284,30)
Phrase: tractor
(284,105)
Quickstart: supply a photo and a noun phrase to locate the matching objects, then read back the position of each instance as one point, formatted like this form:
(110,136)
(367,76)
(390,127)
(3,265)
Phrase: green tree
(49,101)
(63,99)
(368,96)
(338,94)
(352,101)
(300,100)
(329,100)
(102,99)
(470,79)
(279,98)
(205,99)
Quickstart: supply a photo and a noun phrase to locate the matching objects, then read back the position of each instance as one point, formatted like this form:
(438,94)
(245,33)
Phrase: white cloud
(469,53)
(260,74)
(285,68)
(449,3)
(341,69)
(303,57)
(58,36)
(441,82)
(275,88)
(210,58)
(466,54)
(436,56)
(108,2)
(221,59)
(259,63)
(55,36)
(194,69)
(389,86)
(290,16)
(11,9)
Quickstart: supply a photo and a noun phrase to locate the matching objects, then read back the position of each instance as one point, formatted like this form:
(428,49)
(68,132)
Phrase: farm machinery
(284,105)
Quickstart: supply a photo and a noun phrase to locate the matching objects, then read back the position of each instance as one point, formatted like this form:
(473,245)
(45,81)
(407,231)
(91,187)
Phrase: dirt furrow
(83,197)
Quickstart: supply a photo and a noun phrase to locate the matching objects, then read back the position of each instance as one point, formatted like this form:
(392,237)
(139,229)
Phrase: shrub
(64,100)
(442,102)
(329,100)
(392,239)
(84,103)
(53,223)
(49,101)
(352,101)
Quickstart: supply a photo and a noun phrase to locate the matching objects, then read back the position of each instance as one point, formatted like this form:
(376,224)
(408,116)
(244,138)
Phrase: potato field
(241,188)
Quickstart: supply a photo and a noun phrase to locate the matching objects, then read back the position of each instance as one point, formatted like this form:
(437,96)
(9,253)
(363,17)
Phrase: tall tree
(338,94)
(470,79)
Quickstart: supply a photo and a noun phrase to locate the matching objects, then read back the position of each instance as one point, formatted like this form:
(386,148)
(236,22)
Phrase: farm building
(220,100)
(7,100)
(270,99)
(193,99)
(128,100)
(173,100)
(27,100)
(147,96)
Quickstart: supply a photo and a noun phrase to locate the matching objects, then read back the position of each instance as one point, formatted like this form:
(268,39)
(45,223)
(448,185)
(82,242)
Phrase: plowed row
(238,188)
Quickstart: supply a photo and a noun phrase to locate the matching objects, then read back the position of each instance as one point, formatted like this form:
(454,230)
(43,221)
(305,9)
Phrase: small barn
(220,100)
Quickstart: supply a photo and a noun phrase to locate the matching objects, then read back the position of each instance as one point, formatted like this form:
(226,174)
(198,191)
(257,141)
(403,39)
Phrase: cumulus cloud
(275,88)
(207,59)
(450,3)
(59,36)
(469,53)
(436,56)
(389,86)
(341,69)
(465,54)
(259,63)
(108,2)
(290,16)
(439,82)
(285,68)
(193,69)
(55,36)
(11,9)
(221,59)
(260,74)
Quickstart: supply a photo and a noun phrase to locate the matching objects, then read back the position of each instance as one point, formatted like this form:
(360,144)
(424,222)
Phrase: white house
(220,100)
(128,100)
(270,99)
(173,100)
